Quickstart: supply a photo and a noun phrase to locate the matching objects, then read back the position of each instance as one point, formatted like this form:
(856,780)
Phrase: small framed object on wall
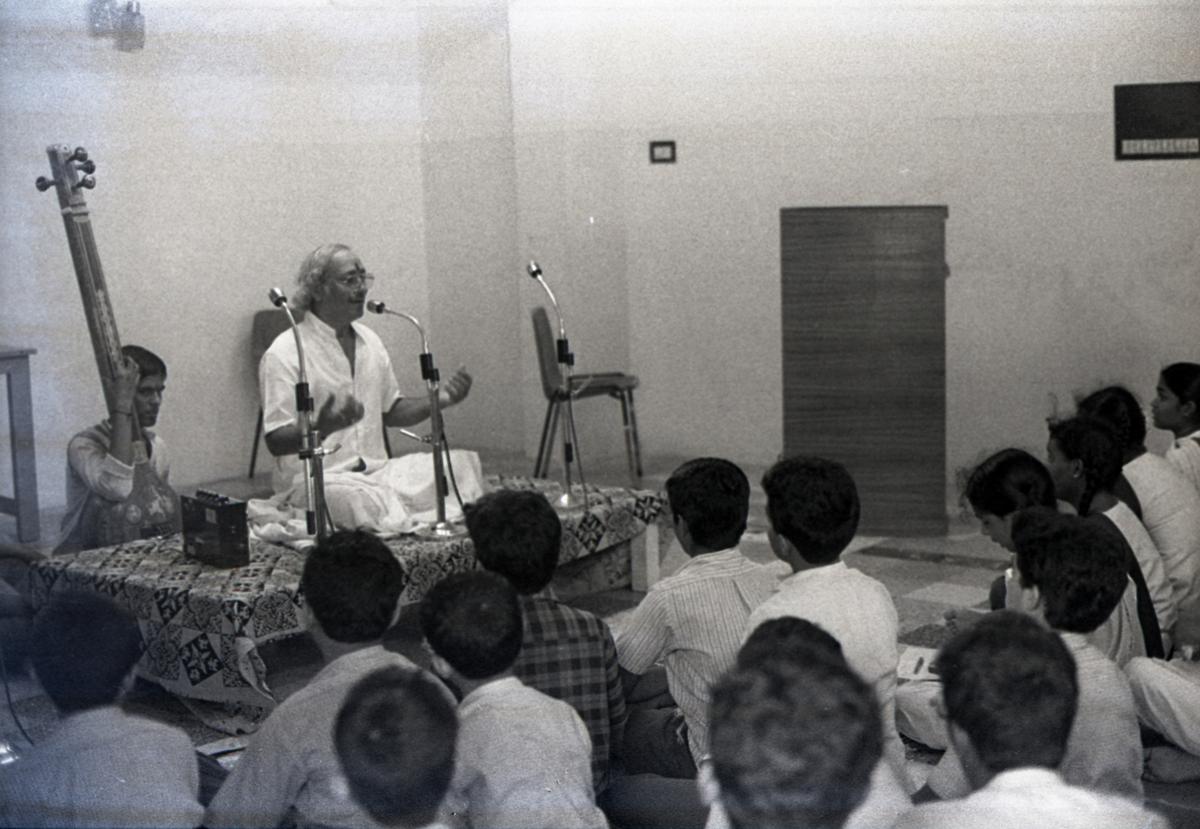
(1159,121)
(662,152)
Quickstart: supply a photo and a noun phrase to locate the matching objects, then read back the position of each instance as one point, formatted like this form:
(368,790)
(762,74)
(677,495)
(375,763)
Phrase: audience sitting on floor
(1074,570)
(799,642)
(813,512)
(794,743)
(566,653)
(1166,501)
(351,585)
(100,766)
(395,737)
(523,758)
(1010,693)
(686,632)
(1084,459)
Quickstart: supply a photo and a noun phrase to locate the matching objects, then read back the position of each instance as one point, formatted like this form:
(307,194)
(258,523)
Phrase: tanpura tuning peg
(88,166)
(43,184)
(80,154)
(87,183)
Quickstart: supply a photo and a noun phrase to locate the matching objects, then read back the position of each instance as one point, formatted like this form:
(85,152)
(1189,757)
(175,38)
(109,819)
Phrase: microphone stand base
(570,501)
(442,531)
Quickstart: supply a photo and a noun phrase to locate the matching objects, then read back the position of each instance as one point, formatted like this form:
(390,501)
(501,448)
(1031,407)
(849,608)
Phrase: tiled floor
(926,577)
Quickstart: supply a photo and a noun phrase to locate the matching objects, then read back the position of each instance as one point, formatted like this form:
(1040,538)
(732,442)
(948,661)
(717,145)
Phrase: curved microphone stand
(316,515)
(569,500)
(437,435)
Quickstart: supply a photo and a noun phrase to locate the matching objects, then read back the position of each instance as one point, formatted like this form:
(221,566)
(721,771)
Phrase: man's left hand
(456,388)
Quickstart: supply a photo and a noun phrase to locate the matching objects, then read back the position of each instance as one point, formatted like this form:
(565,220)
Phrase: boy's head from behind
(84,648)
(788,638)
(352,584)
(812,504)
(517,534)
(472,622)
(395,737)
(711,497)
(1077,565)
(1010,690)
(793,743)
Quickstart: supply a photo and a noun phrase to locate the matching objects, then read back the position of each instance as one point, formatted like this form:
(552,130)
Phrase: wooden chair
(268,324)
(615,384)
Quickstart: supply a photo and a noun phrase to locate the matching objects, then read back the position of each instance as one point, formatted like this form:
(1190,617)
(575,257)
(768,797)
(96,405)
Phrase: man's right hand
(336,415)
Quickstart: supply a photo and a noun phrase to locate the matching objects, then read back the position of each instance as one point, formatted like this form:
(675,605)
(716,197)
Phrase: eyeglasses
(355,280)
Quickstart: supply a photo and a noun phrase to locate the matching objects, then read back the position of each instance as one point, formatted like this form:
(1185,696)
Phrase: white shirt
(372,383)
(692,622)
(1171,513)
(1032,798)
(1184,455)
(858,611)
(103,767)
(1150,561)
(93,473)
(524,759)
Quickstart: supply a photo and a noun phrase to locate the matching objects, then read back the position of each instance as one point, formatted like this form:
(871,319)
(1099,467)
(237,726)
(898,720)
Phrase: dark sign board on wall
(1157,120)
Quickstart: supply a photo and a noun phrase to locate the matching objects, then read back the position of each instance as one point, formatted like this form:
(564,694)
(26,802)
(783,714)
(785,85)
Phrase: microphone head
(533,269)
(375,306)
(277,297)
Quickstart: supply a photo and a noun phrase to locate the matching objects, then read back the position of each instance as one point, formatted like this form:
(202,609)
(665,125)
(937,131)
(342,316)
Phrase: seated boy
(351,585)
(565,652)
(691,622)
(523,758)
(101,463)
(813,510)
(395,737)
(1009,690)
(794,743)
(101,766)
(1075,572)
(800,642)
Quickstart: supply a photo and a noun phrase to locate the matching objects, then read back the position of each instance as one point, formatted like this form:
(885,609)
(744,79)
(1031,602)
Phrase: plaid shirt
(569,654)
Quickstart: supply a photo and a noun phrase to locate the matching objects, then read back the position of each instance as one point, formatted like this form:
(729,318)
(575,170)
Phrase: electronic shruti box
(214,529)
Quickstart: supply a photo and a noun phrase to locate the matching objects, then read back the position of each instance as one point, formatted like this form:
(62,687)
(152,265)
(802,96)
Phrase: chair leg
(637,446)
(546,445)
(258,427)
(621,396)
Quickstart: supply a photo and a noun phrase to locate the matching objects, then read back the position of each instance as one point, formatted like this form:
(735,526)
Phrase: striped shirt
(692,622)
(569,654)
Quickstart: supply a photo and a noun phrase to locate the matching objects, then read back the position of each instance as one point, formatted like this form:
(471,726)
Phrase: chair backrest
(547,352)
(268,324)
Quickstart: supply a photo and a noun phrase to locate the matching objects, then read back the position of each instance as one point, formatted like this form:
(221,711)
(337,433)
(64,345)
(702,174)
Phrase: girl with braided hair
(1169,504)
(1084,459)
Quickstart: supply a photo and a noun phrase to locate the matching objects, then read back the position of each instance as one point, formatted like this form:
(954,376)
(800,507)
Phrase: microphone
(375,306)
(277,297)
(534,269)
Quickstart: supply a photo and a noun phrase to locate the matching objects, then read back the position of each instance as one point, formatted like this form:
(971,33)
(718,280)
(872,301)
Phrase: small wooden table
(14,363)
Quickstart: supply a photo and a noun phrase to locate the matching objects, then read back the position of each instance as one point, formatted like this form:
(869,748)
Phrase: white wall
(1068,268)
(238,140)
